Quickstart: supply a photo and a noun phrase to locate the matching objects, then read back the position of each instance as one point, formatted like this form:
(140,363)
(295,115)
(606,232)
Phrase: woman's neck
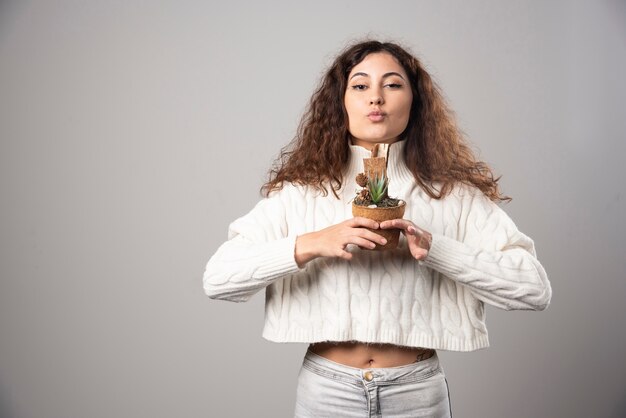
(396,167)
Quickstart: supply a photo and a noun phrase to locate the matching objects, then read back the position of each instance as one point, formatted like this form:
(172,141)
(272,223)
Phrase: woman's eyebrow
(384,75)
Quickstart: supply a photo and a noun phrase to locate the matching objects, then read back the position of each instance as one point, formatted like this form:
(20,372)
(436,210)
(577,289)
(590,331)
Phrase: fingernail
(383,241)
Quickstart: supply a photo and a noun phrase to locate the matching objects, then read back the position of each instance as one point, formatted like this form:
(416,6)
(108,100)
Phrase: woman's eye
(359,87)
(394,85)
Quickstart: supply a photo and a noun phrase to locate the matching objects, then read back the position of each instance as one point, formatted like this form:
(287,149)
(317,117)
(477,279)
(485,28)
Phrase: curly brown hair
(436,149)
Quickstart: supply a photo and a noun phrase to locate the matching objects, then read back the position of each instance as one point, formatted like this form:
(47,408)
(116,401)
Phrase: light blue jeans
(327,389)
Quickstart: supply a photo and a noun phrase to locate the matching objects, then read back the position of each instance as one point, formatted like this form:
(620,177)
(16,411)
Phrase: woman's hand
(332,241)
(418,239)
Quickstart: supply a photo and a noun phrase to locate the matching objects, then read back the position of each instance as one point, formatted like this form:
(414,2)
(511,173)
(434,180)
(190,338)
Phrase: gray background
(132,133)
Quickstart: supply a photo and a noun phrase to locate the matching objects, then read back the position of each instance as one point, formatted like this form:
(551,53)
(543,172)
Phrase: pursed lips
(376,116)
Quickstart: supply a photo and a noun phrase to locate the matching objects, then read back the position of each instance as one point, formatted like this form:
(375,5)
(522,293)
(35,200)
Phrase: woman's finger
(362,242)
(362,222)
(418,253)
(346,255)
(395,223)
(371,236)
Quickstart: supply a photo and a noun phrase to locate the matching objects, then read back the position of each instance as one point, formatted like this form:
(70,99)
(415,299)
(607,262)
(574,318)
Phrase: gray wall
(132,133)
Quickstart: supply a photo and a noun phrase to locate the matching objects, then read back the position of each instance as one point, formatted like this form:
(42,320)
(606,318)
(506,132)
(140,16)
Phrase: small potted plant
(372,200)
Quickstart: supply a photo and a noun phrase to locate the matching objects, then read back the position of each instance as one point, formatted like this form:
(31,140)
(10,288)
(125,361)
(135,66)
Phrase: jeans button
(368,376)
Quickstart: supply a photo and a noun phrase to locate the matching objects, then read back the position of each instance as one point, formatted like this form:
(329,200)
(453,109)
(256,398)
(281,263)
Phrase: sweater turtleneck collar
(397,171)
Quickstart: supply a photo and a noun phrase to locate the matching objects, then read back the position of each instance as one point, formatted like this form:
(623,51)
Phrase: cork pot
(382,214)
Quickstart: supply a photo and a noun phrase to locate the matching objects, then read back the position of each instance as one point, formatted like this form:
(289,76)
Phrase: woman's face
(378,100)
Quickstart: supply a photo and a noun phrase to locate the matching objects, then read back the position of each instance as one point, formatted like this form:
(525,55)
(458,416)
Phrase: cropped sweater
(477,256)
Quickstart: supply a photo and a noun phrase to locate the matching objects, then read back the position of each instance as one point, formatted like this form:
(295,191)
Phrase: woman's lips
(376,117)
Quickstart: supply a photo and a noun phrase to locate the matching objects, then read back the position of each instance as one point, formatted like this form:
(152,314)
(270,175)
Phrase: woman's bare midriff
(369,355)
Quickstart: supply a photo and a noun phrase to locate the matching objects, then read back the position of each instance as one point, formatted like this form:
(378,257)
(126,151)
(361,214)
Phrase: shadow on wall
(7,11)
(5,408)
(619,412)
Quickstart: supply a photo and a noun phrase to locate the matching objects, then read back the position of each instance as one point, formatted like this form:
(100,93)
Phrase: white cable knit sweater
(477,255)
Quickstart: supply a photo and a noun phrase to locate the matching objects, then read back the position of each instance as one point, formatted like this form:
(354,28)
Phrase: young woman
(374,319)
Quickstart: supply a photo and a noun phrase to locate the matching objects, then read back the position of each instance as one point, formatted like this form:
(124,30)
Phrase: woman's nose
(376,99)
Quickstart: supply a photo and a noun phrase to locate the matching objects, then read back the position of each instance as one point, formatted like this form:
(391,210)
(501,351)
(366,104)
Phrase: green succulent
(377,187)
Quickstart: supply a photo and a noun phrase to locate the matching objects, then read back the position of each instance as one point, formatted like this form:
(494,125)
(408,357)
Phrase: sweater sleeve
(258,251)
(494,260)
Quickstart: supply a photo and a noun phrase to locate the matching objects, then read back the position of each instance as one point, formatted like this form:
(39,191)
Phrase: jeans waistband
(409,372)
